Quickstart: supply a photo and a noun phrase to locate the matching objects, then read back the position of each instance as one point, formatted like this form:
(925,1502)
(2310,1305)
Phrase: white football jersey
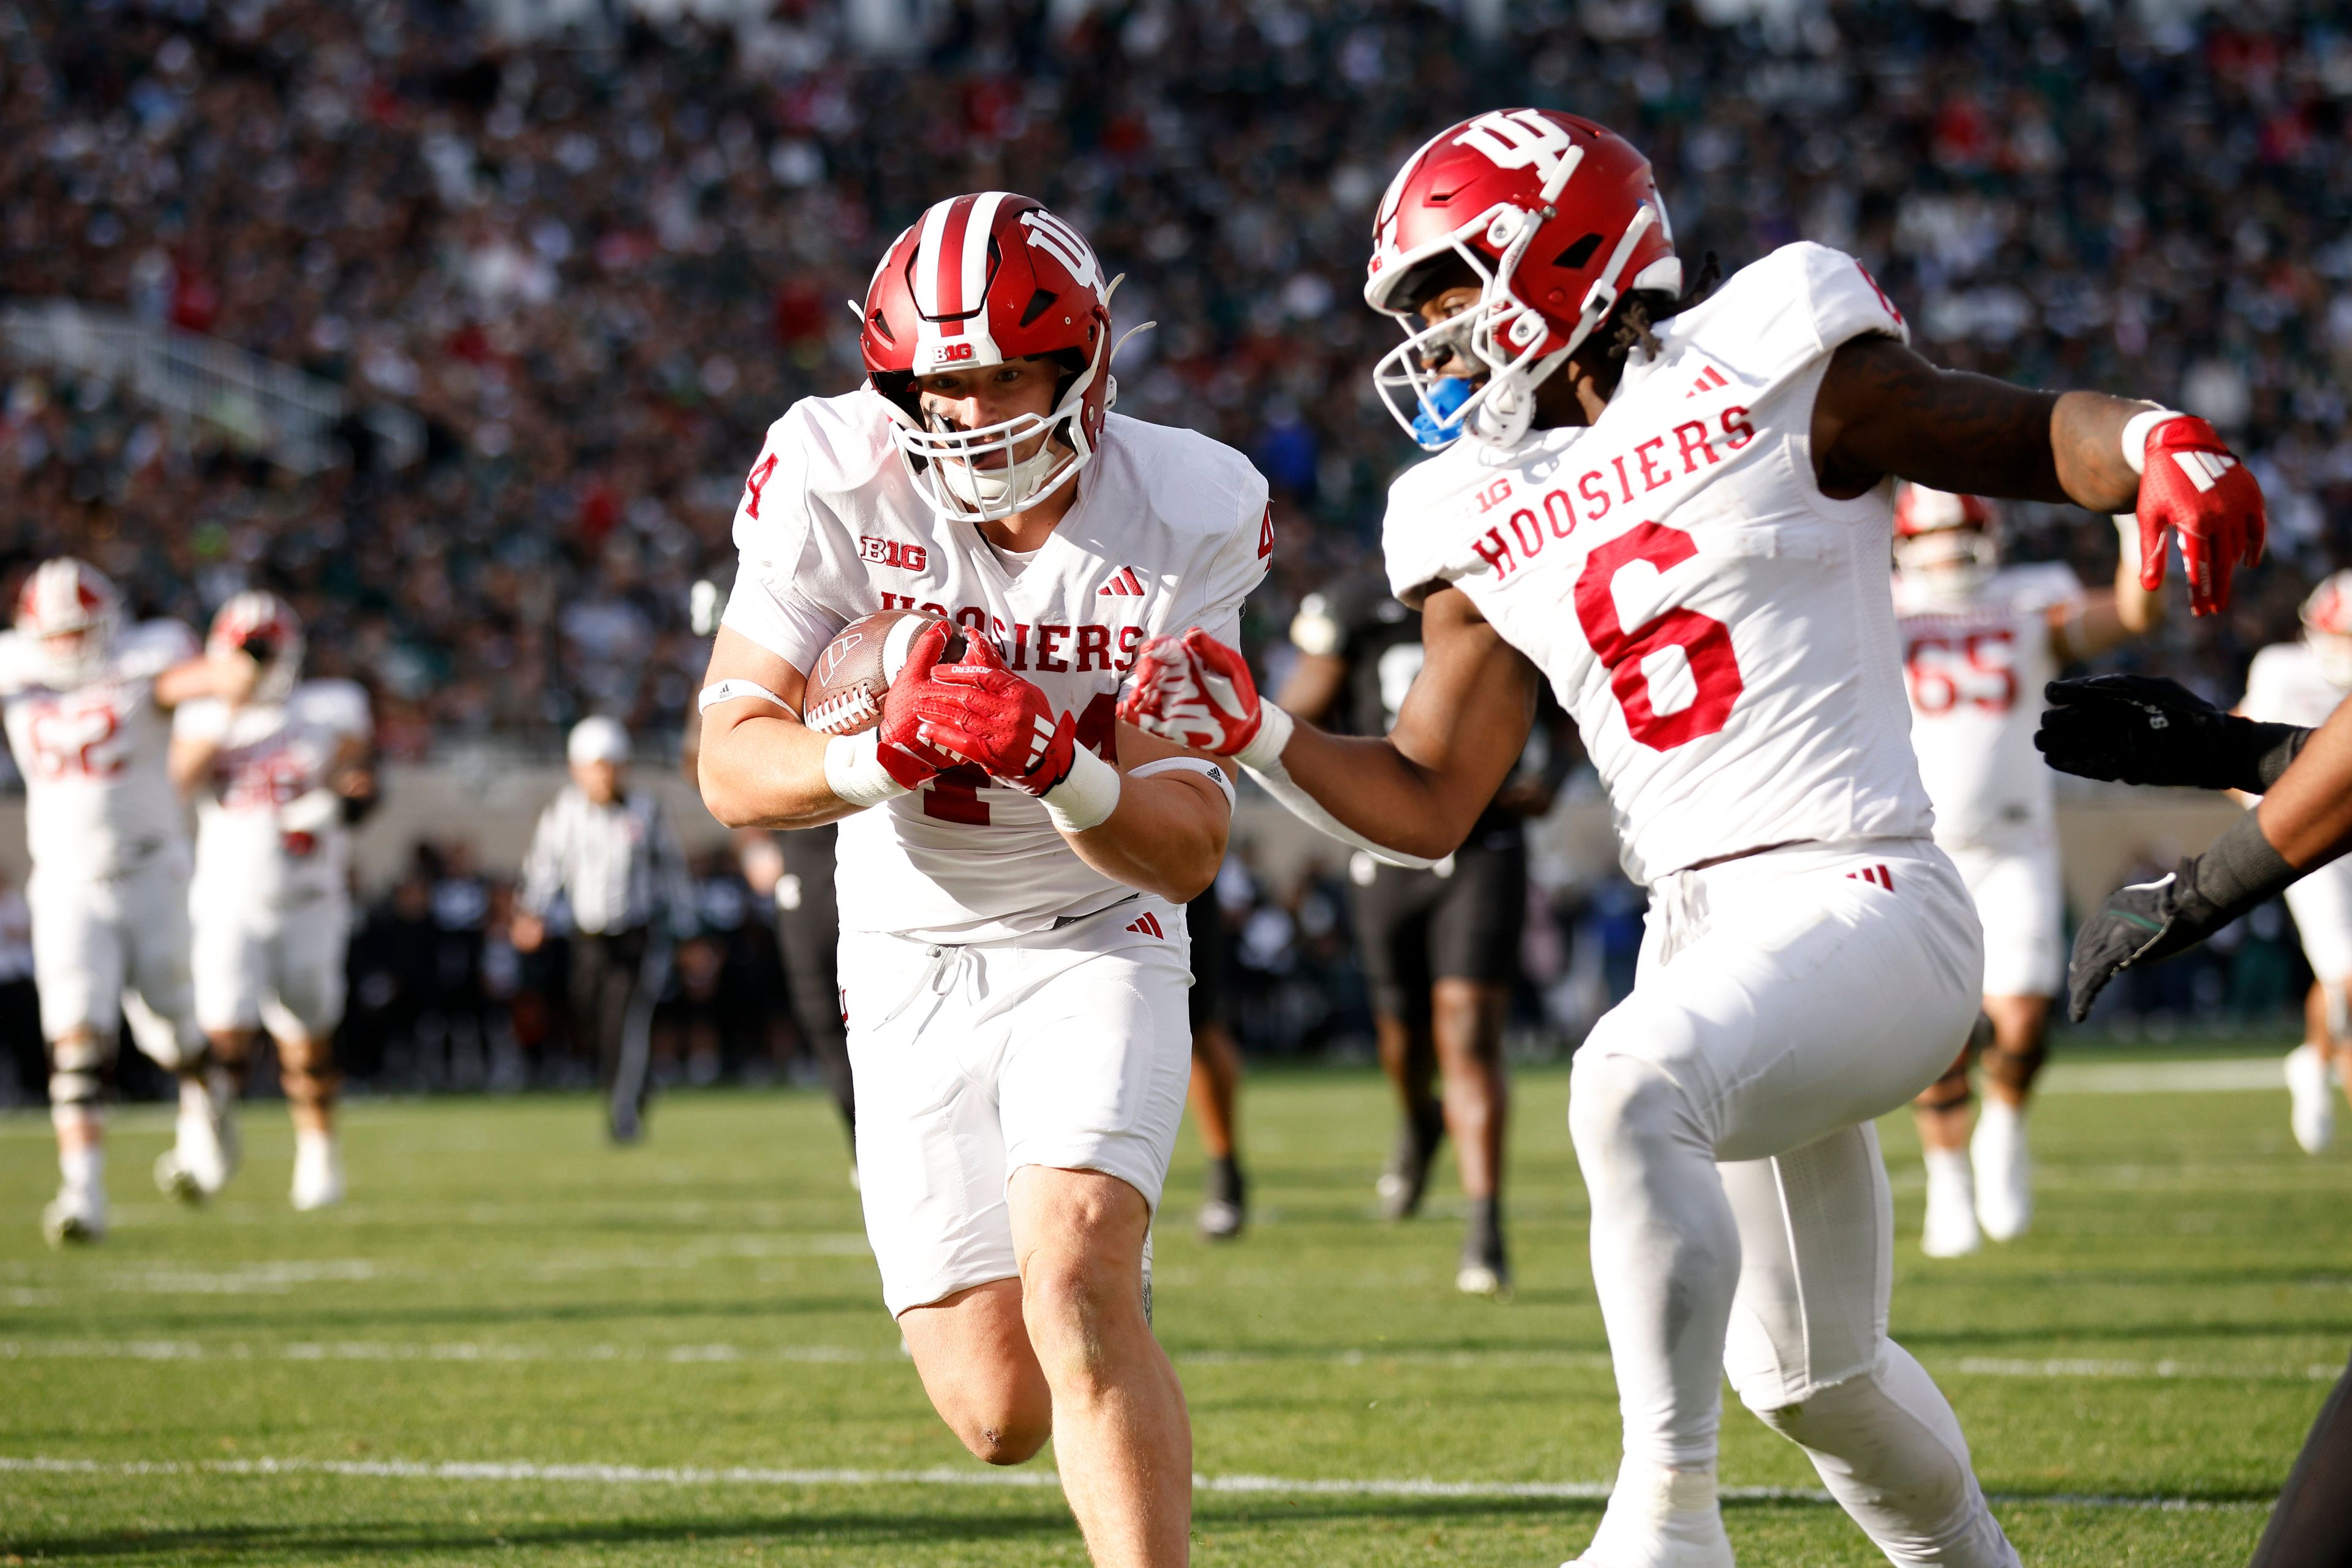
(1976,666)
(96,760)
(1720,630)
(2287,686)
(269,826)
(1171,530)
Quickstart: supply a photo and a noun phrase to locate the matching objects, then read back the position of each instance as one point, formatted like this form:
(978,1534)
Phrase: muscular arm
(2108,619)
(761,766)
(2307,813)
(1882,409)
(1167,834)
(1419,788)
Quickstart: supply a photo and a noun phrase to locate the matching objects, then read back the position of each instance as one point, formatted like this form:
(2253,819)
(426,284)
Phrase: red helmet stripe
(943,230)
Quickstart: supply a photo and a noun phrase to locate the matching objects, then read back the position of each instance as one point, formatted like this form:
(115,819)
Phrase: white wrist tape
(1307,809)
(2137,432)
(1084,799)
(1264,749)
(853,770)
(1201,765)
(727,690)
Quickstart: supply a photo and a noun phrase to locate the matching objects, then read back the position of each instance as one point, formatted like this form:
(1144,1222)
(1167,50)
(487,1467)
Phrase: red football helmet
(71,613)
(265,626)
(1948,539)
(1559,219)
(979,281)
(2327,627)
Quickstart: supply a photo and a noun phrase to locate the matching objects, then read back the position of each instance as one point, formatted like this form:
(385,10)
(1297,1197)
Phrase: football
(854,671)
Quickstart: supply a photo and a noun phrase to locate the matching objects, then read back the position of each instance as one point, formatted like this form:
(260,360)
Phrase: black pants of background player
(2311,1525)
(1418,931)
(1216,1071)
(616,979)
(808,931)
(24,1054)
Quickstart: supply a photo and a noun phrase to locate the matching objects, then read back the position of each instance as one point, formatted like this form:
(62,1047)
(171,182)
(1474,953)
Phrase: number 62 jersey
(1722,632)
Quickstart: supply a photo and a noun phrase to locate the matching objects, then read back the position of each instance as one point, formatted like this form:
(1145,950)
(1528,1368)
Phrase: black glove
(2142,729)
(2148,922)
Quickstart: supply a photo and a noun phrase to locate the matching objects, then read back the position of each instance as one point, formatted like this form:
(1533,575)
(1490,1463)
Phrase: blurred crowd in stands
(598,265)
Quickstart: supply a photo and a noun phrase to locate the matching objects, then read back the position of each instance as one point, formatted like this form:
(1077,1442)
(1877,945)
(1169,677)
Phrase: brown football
(854,671)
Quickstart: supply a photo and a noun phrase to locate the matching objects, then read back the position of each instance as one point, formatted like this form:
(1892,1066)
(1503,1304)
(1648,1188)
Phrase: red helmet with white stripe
(265,626)
(1557,218)
(72,613)
(977,281)
(2327,627)
(1945,538)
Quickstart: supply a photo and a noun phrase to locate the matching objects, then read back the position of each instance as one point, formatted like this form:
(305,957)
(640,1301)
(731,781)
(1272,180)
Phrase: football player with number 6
(1676,508)
(1013,864)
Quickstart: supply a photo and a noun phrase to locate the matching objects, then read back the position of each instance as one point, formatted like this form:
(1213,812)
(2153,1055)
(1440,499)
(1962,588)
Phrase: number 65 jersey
(1976,665)
(1722,632)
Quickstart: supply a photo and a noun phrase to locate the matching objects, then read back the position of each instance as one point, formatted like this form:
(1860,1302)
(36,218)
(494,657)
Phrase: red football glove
(2195,486)
(991,717)
(905,754)
(1195,691)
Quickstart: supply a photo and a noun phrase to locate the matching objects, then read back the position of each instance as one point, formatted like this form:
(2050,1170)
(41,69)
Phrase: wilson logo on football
(890,552)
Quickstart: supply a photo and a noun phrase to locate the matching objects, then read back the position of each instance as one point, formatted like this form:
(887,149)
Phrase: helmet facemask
(1949,563)
(981,475)
(71,616)
(1517,348)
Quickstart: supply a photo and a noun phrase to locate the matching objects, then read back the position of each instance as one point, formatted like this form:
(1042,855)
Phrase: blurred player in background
(1440,944)
(278,775)
(606,853)
(87,702)
(794,872)
(1013,865)
(2301,683)
(1979,642)
(1217,1072)
(1677,506)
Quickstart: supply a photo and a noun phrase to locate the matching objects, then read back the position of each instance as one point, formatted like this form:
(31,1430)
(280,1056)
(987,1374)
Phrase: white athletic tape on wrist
(2138,429)
(727,690)
(1086,798)
(1265,748)
(1201,765)
(853,770)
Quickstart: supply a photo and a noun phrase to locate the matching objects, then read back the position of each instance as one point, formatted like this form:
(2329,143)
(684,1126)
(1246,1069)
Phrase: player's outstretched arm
(1882,410)
(760,766)
(1167,834)
(1417,791)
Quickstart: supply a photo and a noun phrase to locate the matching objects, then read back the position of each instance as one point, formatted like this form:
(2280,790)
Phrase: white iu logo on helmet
(1066,244)
(1523,138)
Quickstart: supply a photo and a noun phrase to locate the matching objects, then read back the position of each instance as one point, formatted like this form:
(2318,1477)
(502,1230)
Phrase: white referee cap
(597,739)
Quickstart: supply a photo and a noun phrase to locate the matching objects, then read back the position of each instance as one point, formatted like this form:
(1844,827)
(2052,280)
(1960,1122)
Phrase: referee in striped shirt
(605,855)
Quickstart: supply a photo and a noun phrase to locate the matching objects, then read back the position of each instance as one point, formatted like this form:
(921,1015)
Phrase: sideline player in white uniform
(277,778)
(1013,865)
(87,702)
(1678,511)
(1979,642)
(2302,683)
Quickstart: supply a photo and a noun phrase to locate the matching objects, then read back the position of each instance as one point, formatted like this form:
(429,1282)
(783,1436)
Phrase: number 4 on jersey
(954,795)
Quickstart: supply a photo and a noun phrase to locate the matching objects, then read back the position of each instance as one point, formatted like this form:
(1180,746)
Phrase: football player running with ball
(1013,863)
(1979,642)
(277,776)
(88,703)
(1678,511)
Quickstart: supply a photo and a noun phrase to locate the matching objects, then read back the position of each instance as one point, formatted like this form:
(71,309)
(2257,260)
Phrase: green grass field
(515,1345)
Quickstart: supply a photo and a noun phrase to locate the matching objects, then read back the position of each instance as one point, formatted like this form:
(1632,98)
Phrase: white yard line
(695,1476)
(2057,1368)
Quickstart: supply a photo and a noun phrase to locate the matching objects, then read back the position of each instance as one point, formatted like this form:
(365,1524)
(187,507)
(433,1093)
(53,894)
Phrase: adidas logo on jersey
(1124,584)
(1149,925)
(1878,876)
(1708,380)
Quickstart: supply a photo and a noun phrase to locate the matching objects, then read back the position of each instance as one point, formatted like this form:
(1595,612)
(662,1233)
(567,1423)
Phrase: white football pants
(1741,1219)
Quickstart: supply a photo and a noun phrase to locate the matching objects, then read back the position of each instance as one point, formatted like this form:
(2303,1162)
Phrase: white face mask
(1949,563)
(67,660)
